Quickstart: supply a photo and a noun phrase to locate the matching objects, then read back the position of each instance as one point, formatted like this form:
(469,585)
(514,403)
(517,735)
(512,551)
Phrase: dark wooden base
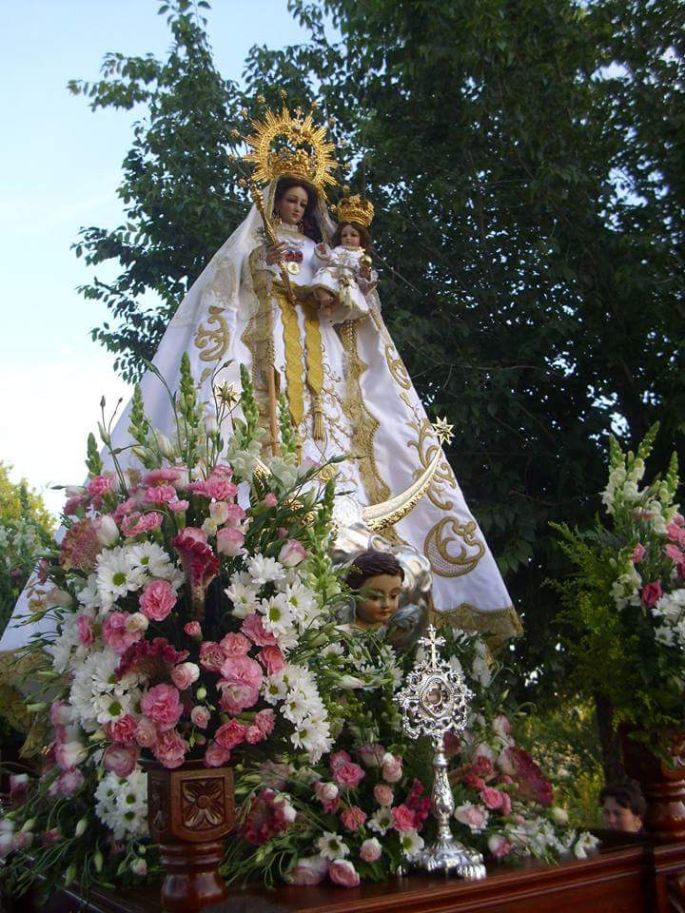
(631,877)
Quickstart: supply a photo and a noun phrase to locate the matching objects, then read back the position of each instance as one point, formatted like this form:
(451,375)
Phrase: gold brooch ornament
(283,145)
(354,209)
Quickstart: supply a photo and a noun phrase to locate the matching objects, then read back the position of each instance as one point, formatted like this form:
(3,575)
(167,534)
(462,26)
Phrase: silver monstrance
(435,700)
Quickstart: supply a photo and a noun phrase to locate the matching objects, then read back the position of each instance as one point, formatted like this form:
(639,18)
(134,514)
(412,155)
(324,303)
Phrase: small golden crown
(283,145)
(354,209)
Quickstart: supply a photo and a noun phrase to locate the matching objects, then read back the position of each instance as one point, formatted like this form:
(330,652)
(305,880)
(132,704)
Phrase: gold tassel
(318,420)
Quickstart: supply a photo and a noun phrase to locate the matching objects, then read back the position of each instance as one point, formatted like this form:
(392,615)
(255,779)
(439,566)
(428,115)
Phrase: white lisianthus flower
(107,531)
(584,845)
(331,846)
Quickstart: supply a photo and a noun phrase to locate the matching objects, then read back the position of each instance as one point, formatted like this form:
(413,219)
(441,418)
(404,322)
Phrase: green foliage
(525,160)
(25,530)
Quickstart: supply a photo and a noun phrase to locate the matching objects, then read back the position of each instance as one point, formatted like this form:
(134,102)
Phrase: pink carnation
(160,494)
(184,675)
(230,735)
(638,554)
(253,628)
(235,645)
(353,818)
(241,670)
(492,798)
(272,659)
(163,706)
(265,720)
(392,768)
(170,749)
(118,634)
(167,474)
(215,755)
(193,629)
(86,635)
(122,730)
(99,486)
(403,818)
(212,656)
(270,499)
(136,524)
(157,600)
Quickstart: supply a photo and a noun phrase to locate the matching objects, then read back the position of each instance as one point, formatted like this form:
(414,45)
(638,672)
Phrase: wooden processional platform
(630,876)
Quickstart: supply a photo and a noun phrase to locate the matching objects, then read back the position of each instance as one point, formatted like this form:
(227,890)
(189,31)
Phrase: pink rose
(506,804)
(233,515)
(310,870)
(253,628)
(146,733)
(123,730)
(348,774)
(353,818)
(163,706)
(370,850)
(403,818)
(651,593)
(229,541)
(492,798)
(392,768)
(215,755)
(270,499)
(212,656)
(272,659)
(120,760)
(199,716)
(499,846)
(184,675)
(157,600)
(343,873)
(383,794)
(193,629)
(84,625)
(265,720)
(230,735)
(638,554)
(235,645)
(292,553)
(117,633)
(170,749)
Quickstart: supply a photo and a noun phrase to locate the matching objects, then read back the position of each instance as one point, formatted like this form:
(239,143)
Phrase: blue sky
(59,170)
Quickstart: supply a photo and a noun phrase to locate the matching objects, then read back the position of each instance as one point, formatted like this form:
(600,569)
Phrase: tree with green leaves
(525,161)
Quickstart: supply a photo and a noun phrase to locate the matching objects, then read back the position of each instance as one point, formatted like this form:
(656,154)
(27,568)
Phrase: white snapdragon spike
(244,461)
(285,472)
(243,594)
(264,570)
(625,588)
(121,804)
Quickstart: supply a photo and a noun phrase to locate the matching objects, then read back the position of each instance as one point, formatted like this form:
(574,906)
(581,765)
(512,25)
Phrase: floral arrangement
(625,604)
(193,601)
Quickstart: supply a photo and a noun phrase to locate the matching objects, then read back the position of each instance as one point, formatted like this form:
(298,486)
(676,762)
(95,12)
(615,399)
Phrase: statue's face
(350,237)
(291,206)
(380,595)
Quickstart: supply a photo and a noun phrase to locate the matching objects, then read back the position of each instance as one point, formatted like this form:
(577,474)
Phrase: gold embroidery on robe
(437,547)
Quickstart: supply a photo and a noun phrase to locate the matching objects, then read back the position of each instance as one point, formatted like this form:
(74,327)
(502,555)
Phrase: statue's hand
(274,253)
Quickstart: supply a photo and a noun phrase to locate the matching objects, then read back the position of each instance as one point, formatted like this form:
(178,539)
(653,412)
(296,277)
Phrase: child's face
(350,237)
(380,604)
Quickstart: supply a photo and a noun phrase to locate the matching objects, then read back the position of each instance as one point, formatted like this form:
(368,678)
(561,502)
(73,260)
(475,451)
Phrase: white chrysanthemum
(381,820)
(264,570)
(276,615)
(242,594)
(121,804)
(332,846)
(303,605)
(411,843)
(153,560)
(115,576)
(89,596)
(274,689)
(96,695)
(665,636)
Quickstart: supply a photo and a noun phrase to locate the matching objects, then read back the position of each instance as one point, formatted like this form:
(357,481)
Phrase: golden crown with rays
(287,145)
(354,209)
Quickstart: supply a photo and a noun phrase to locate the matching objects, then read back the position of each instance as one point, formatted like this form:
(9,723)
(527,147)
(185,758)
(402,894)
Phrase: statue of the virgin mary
(345,384)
